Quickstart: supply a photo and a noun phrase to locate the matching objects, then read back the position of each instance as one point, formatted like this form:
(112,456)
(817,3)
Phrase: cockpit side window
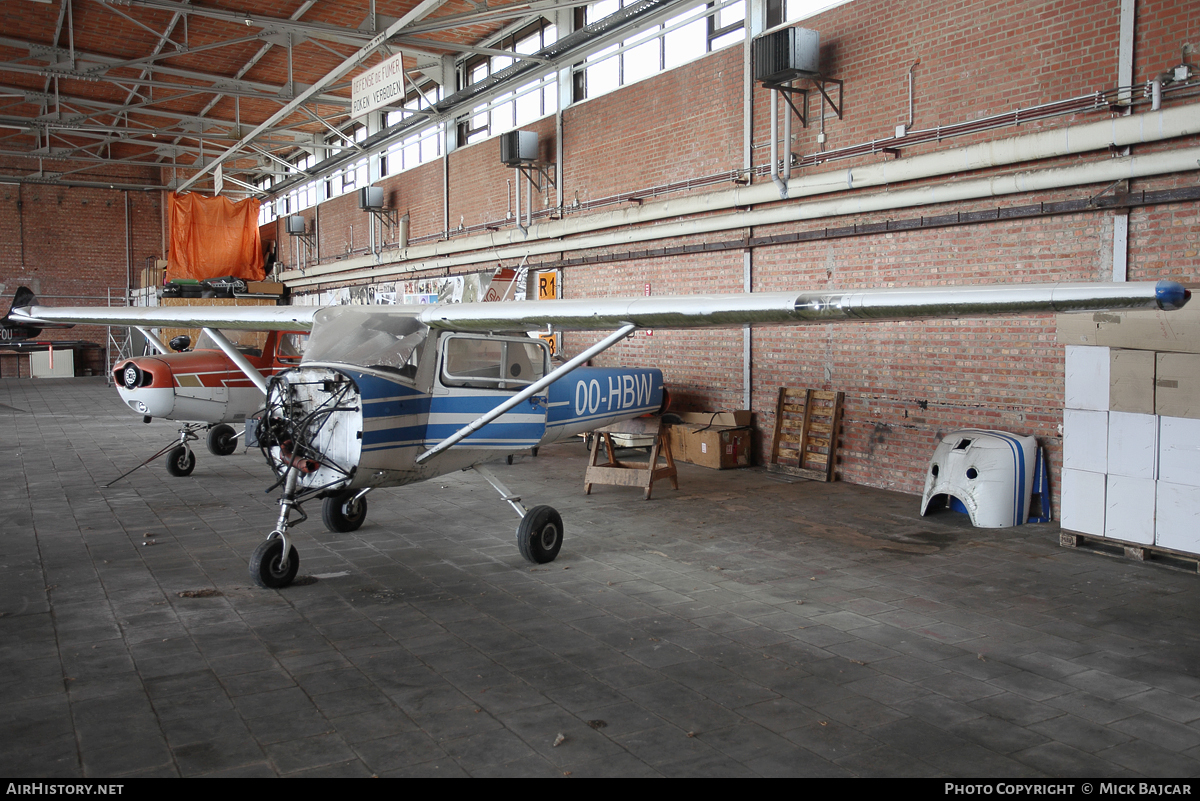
(493,363)
(236,338)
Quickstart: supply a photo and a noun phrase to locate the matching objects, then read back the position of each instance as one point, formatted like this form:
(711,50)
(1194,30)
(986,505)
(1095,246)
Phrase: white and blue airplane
(391,395)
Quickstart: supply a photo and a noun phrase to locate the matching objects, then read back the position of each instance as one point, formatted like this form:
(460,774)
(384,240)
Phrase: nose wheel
(274,563)
(269,569)
(181,461)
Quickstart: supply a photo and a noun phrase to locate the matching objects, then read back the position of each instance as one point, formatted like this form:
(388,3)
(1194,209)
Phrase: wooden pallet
(631,474)
(807,422)
(1107,546)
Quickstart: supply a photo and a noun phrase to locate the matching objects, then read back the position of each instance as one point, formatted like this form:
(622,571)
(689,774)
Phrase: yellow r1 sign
(548,285)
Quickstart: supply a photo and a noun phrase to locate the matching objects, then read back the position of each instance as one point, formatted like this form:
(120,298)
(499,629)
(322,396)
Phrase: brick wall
(906,383)
(70,245)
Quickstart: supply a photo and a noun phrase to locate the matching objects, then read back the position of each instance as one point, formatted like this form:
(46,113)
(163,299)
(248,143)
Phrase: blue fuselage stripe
(396,415)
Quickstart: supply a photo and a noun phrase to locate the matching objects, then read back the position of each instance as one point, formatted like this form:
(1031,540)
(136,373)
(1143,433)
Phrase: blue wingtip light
(1171,295)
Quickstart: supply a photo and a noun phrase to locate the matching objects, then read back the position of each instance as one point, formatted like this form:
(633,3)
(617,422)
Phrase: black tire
(540,535)
(264,564)
(533,452)
(181,461)
(222,440)
(508,459)
(342,513)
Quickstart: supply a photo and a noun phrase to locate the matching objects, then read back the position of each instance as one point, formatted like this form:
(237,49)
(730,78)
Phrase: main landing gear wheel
(343,512)
(181,461)
(222,440)
(265,567)
(539,536)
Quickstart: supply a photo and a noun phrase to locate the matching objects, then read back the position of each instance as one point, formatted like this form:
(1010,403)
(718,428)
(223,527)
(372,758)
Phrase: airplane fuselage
(201,385)
(350,426)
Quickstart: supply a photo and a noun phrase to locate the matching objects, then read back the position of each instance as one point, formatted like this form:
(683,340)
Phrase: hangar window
(266,212)
(800,9)
(303,196)
(354,174)
(524,104)
(701,29)
(424,145)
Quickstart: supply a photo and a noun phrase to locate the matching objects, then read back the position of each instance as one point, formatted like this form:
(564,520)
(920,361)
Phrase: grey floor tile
(439,652)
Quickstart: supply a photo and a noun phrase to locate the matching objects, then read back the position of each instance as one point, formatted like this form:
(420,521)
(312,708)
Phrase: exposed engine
(313,424)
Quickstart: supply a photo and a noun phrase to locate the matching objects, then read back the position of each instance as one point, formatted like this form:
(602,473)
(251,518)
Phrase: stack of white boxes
(1131,427)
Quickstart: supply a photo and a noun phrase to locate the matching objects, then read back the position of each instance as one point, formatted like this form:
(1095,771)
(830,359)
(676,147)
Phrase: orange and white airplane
(202,387)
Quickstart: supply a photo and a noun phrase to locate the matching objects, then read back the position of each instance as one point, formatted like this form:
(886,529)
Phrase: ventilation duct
(787,54)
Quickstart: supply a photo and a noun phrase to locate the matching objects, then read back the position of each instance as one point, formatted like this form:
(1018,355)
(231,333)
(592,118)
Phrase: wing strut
(528,392)
(154,341)
(237,358)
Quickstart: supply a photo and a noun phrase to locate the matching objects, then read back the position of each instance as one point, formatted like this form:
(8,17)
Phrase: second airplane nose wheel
(181,461)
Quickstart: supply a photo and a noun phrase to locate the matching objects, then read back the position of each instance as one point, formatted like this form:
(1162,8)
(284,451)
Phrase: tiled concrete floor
(742,625)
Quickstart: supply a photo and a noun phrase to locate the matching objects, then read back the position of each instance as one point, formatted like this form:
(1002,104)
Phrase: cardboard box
(1133,445)
(151,276)
(265,288)
(1177,512)
(1081,502)
(1085,440)
(1131,381)
(1179,451)
(718,447)
(1087,376)
(1129,509)
(1102,379)
(738,419)
(1177,385)
(1077,329)
(1175,331)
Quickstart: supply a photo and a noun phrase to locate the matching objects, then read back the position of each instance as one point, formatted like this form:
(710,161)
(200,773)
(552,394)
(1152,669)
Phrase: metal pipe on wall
(128,251)
(1120,241)
(21,222)
(520,224)
(549,236)
(1098,172)
(785,168)
(775,179)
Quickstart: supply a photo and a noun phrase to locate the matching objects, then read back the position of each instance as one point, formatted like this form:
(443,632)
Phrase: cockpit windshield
(357,336)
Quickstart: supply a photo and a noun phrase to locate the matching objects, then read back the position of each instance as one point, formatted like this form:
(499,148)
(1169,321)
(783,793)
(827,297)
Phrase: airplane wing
(239,318)
(792,308)
(663,311)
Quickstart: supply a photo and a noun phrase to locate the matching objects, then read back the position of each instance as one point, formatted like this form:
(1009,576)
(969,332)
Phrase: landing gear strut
(181,460)
(275,561)
(540,534)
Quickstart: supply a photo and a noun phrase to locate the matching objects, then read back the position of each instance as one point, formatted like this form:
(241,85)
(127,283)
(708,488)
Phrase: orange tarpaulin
(213,237)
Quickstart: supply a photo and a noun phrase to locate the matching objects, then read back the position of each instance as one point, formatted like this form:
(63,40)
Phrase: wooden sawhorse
(631,474)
